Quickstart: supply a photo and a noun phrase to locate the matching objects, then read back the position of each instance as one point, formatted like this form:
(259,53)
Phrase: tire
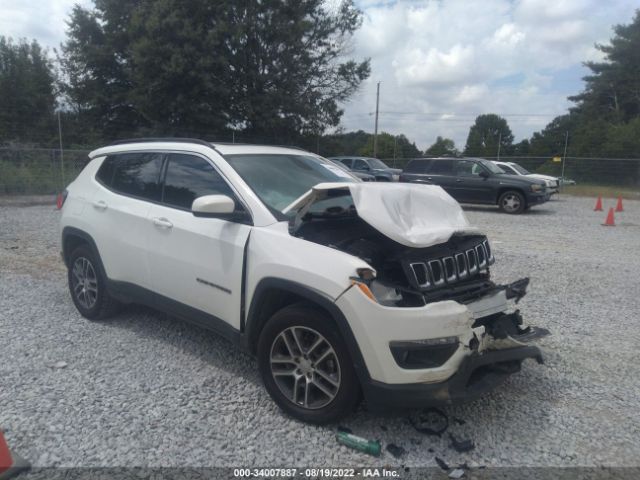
(325,391)
(88,287)
(512,202)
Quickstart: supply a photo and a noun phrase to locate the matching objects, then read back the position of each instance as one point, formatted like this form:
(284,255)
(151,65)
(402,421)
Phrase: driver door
(193,260)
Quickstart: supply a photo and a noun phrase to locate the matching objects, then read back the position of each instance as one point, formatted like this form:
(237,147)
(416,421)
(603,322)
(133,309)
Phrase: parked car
(365,177)
(372,166)
(476,180)
(341,289)
(512,168)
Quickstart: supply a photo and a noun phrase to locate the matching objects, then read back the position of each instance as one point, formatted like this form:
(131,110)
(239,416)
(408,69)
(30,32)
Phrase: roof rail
(167,139)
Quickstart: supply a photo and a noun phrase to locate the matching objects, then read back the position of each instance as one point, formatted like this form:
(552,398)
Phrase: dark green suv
(479,181)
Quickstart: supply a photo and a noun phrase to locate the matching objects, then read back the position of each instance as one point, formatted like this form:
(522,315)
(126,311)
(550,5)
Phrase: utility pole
(499,142)
(61,152)
(375,134)
(395,146)
(564,156)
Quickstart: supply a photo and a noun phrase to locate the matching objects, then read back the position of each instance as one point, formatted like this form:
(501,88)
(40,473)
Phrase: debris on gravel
(147,389)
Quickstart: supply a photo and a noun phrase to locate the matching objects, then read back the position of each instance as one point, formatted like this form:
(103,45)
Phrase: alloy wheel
(84,282)
(305,367)
(511,202)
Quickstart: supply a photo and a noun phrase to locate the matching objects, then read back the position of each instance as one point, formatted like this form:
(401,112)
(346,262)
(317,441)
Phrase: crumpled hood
(416,216)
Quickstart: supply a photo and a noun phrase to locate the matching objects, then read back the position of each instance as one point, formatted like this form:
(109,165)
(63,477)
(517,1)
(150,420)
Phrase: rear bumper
(477,374)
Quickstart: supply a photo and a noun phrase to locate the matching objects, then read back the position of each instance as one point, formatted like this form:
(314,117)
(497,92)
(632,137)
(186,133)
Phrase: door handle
(458,180)
(100,205)
(162,222)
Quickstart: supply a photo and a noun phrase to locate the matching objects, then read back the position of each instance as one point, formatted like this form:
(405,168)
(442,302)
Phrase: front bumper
(537,198)
(477,374)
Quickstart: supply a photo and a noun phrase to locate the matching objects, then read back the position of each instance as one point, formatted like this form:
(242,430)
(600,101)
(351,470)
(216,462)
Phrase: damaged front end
(438,316)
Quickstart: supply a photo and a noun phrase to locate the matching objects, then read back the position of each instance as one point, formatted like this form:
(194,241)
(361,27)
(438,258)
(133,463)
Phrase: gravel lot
(145,389)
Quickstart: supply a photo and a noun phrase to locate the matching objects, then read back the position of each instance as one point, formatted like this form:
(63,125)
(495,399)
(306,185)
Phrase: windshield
(492,167)
(278,179)
(375,163)
(519,169)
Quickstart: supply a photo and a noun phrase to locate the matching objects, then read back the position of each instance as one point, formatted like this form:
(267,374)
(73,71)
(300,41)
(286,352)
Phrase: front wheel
(306,367)
(512,202)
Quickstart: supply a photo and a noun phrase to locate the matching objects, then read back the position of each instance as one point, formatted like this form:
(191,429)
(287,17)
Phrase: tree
(27,95)
(441,147)
(613,88)
(484,135)
(391,146)
(273,69)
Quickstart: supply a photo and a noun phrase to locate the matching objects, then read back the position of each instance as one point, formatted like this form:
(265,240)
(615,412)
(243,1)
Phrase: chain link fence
(40,171)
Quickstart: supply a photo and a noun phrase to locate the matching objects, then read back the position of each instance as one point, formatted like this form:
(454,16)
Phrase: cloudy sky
(440,62)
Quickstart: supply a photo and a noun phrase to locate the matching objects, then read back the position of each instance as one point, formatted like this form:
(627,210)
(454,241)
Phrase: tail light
(60,199)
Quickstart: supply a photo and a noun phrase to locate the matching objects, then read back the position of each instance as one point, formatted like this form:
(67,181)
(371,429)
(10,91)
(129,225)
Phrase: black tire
(94,306)
(512,202)
(307,320)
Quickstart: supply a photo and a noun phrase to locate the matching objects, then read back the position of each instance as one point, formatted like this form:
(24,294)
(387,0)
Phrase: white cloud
(463,58)
(44,20)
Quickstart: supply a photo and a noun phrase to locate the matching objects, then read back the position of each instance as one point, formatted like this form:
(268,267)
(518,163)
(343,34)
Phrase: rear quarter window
(133,174)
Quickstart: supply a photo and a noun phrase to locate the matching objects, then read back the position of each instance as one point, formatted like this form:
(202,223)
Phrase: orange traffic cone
(609,222)
(598,204)
(619,205)
(10,464)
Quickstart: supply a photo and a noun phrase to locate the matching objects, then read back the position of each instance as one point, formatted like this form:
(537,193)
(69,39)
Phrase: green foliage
(273,69)
(390,146)
(613,88)
(442,147)
(27,97)
(485,134)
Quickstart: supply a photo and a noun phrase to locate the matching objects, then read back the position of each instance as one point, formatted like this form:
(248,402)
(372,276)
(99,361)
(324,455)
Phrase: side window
(361,165)
(347,161)
(442,167)
(189,177)
(137,174)
(418,166)
(467,168)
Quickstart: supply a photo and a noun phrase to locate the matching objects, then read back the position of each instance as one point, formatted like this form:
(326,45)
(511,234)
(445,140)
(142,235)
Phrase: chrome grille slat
(472,261)
(461,265)
(450,272)
(481,256)
(437,272)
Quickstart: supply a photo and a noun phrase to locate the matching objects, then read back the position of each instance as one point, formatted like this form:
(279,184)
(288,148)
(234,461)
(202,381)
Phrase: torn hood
(413,215)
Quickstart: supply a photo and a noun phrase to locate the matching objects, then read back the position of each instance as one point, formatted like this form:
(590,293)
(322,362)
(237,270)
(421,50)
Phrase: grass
(587,190)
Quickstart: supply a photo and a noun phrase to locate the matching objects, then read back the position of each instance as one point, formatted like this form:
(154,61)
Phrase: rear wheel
(88,286)
(306,367)
(512,201)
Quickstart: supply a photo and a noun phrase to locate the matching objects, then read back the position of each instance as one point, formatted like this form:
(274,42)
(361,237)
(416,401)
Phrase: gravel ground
(148,390)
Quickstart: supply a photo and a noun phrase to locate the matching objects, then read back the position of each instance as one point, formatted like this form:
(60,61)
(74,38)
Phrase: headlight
(536,187)
(395,177)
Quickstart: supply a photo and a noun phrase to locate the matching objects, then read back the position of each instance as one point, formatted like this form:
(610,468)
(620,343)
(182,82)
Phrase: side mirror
(219,206)
(484,174)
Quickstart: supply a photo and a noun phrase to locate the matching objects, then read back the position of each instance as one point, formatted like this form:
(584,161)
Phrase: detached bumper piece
(478,374)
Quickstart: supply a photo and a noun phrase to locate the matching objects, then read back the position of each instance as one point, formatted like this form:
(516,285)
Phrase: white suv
(340,288)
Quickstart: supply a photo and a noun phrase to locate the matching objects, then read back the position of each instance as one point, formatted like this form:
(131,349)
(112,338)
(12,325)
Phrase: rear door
(128,184)
(193,260)
(442,172)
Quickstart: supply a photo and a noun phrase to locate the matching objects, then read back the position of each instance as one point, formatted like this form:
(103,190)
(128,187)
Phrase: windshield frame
(376,163)
(520,169)
(345,176)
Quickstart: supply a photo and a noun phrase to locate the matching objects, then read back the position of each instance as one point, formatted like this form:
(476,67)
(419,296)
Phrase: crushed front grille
(450,269)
